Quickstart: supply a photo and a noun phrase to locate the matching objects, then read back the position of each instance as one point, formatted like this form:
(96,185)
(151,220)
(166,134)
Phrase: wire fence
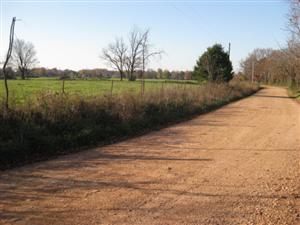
(25,90)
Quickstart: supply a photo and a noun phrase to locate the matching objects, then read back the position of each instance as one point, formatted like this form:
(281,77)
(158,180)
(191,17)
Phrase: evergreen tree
(213,65)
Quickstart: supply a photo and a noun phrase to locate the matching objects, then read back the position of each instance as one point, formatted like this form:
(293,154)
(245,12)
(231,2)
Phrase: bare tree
(134,59)
(260,57)
(292,54)
(115,55)
(140,52)
(275,66)
(279,66)
(24,56)
(146,53)
(294,19)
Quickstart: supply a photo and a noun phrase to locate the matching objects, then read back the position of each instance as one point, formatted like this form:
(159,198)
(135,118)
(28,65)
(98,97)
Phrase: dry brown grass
(57,123)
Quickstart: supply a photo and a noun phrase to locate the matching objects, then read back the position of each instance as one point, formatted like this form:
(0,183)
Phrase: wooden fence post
(8,55)
(111,87)
(142,87)
(63,86)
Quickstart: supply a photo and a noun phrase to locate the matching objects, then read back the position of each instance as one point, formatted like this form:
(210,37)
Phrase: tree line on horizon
(279,66)
(97,73)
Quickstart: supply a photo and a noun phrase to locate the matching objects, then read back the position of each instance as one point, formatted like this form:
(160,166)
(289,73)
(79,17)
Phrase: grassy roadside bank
(60,124)
(294,92)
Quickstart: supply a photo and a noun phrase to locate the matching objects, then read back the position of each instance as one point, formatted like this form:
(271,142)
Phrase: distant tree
(94,73)
(24,56)
(139,52)
(260,57)
(181,75)
(150,74)
(10,73)
(239,76)
(177,75)
(214,65)
(159,73)
(67,74)
(187,75)
(146,51)
(39,72)
(294,19)
(134,57)
(278,66)
(166,74)
(115,55)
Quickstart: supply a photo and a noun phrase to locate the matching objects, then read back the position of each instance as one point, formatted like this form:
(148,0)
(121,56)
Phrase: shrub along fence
(58,124)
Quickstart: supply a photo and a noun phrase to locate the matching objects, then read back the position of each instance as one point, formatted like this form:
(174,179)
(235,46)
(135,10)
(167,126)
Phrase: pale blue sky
(71,34)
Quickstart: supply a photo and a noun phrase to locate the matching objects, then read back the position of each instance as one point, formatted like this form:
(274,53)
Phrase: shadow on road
(273,96)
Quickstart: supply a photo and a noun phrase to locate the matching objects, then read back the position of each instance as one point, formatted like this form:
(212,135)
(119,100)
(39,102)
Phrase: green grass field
(22,90)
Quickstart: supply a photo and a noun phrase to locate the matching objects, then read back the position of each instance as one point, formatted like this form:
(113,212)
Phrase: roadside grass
(58,124)
(294,92)
(22,91)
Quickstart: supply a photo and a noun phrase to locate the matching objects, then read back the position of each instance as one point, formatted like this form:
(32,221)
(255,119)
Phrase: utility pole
(229,49)
(11,42)
(252,77)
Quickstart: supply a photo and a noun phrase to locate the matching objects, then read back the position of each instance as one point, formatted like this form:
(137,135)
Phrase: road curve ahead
(236,165)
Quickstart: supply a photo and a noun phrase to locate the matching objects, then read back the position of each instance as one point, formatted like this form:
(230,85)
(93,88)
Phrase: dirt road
(237,165)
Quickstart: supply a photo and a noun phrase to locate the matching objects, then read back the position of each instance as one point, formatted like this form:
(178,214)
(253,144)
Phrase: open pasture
(24,90)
